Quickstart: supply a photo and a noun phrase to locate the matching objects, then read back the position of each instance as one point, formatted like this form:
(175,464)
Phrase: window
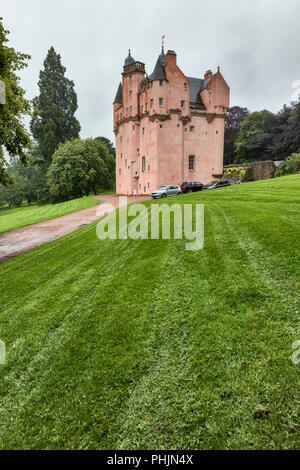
(130,92)
(182,103)
(130,109)
(148,167)
(151,84)
(209,102)
(143,131)
(146,107)
(185,86)
(121,155)
(121,116)
(120,170)
(151,103)
(160,101)
(192,128)
(133,127)
(142,108)
(120,138)
(125,162)
(191,162)
(143,163)
(160,125)
(130,79)
(144,189)
(161,83)
(217,132)
(148,184)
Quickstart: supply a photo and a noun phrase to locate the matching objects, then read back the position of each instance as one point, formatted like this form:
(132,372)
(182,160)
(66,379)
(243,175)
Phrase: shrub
(289,166)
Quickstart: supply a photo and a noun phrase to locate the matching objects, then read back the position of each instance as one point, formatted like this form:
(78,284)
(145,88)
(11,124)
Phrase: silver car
(164,191)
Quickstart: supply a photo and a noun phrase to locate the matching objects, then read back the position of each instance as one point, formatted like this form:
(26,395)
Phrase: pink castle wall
(162,134)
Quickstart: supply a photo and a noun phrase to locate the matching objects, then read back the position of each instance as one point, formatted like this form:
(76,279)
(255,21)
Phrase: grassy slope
(27,215)
(128,345)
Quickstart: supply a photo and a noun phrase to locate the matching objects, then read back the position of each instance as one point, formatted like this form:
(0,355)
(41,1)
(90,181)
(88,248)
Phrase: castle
(169,127)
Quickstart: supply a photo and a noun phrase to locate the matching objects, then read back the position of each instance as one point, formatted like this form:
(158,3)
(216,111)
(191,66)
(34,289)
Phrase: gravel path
(23,239)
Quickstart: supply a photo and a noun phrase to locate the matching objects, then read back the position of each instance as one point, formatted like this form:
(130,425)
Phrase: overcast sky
(256,44)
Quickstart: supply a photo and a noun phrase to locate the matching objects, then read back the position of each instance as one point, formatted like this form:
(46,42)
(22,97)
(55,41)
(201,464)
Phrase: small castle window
(151,103)
(192,128)
(142,108)
(120,170)
(185,86)
(143,163)
(130,109)
(130,92)
(161,82)
(133,127)
(160,125)
(217,132)
(125,162)
(160,101)
(146,107)
(182,103)
(121,155)
(191,162)
(148,184)
(148,167)
(130,79)
(144,189)
(120,138)
(151,84)
(143,130)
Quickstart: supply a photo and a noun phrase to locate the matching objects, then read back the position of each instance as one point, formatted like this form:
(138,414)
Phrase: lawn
(123,344)
(27,215)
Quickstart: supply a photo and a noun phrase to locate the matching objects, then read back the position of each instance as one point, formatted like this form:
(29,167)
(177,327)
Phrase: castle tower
(169,127)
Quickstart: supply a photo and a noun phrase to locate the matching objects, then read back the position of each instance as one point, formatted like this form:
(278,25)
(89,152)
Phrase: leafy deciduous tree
(13,135)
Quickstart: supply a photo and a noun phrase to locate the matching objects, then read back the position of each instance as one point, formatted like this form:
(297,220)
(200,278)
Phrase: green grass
(124,344)
(26,215)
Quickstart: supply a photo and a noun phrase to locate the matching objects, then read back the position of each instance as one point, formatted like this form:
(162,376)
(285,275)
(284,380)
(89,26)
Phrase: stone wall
(252,171)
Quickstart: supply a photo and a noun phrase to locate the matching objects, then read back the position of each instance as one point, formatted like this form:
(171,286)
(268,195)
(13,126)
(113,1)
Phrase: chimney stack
(208,74)
(171,57)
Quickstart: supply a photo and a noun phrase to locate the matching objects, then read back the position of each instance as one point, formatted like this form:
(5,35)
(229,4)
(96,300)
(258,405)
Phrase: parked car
(218,184)
(191,187)
(164,191)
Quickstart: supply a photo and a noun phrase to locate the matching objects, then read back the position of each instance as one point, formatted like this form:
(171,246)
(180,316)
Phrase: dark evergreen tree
(53,120)
(233,121)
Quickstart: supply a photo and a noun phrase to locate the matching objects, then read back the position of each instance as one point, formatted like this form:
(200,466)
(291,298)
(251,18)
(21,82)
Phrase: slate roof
(197,85)
(129,59)
(158,72)
(119,95)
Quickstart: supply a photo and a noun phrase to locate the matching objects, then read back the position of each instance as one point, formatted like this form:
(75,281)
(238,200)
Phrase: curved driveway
(23,239)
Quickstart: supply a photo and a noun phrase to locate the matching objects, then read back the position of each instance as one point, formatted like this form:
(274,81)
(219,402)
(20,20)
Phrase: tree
(287,133)
(255,137)
(234,118)
(13,107)
(108,144)
(53,121)
(289,166)
(80,167)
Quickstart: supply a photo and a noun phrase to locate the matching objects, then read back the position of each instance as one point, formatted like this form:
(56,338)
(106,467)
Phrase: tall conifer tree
(53,120)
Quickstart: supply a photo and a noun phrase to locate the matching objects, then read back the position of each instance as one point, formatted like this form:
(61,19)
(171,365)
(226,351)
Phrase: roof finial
(162,42)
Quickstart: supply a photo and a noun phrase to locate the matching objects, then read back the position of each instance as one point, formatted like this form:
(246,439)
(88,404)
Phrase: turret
(133,74)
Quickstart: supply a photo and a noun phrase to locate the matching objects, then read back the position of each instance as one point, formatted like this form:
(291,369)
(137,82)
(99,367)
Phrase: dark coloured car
(191,187)
(218,184)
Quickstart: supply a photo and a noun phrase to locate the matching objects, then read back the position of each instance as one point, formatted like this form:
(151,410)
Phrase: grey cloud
(254,42)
